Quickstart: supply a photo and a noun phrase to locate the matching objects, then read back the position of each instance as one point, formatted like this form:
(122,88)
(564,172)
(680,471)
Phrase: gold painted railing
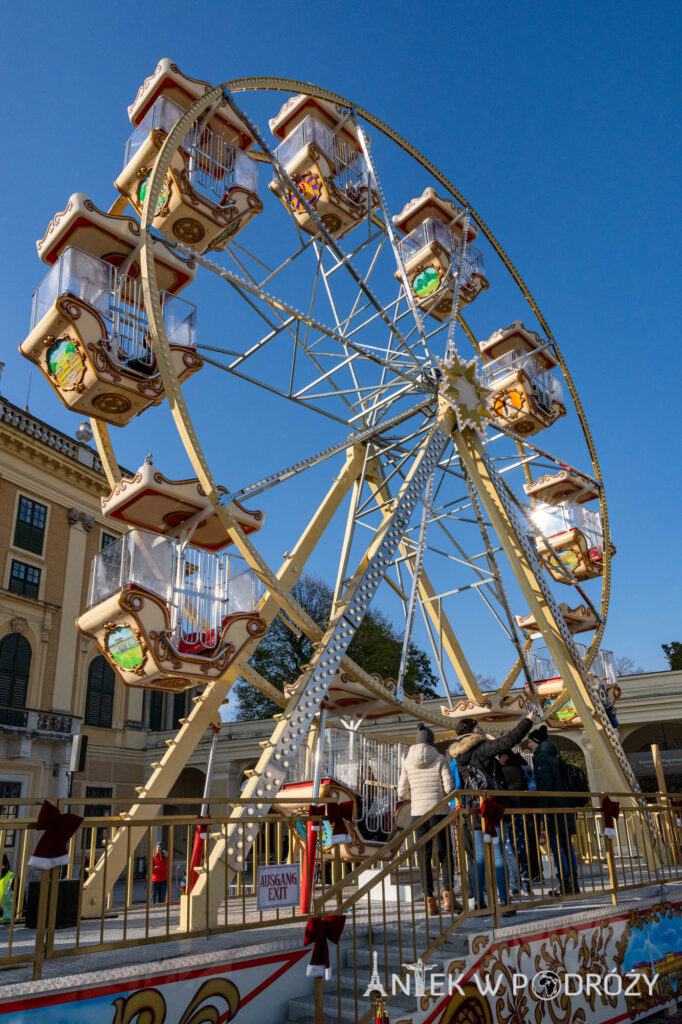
(50,913)
(383,899)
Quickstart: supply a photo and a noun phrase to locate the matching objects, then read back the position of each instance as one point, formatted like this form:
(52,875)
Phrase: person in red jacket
(159,875)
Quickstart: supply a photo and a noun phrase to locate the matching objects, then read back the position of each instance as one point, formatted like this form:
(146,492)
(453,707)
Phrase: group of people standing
(477,763)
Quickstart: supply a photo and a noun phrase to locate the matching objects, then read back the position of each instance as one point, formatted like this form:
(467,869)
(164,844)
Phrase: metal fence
(550,855)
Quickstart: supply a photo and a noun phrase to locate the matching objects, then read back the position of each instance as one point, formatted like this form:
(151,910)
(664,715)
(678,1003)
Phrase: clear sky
(560,122)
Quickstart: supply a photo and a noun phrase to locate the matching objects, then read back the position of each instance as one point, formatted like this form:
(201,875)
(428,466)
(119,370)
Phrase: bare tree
(625,666)
(486,682)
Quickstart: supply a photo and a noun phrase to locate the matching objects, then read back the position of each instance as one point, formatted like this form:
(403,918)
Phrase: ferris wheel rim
(188,434)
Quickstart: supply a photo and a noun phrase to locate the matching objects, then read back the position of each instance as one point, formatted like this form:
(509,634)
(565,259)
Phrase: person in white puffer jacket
(425,779)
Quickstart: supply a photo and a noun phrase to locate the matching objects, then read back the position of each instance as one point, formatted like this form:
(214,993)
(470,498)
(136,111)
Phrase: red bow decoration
(338,815)
(58,828)
(492,814)
(316,810)
(321,930)
(611,811)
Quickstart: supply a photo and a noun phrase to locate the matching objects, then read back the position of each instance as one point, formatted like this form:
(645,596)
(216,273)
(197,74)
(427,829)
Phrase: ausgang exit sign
(279,885)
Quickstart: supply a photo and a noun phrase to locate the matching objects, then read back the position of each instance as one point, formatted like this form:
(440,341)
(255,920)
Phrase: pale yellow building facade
(53,681)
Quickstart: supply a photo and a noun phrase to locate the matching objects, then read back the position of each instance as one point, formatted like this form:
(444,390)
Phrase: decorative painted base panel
(245,990)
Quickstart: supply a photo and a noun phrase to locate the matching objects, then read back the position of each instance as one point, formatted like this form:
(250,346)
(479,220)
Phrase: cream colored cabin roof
(553,488)
(347,696)
(577,619)
(430,204)
(168,80)
(151,501)
(491,709)
(297,108)
(517,336)
(111,237)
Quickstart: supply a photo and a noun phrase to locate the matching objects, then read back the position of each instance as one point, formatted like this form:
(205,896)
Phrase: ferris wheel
(350,279)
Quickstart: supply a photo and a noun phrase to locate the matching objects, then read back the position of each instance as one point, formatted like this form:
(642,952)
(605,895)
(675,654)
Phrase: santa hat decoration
(492,814)
(338,815)
(58,828)
(319,931)
(611,811)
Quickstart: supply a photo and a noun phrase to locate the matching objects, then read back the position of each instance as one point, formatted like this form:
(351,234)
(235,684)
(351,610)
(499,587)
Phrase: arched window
(15,668)
(99,703)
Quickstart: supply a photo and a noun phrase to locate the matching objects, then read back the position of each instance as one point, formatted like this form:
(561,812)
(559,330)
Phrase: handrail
(590,808)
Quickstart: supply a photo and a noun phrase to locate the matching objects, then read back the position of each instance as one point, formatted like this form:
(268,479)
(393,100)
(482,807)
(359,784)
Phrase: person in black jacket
(472,748)
(560,827)
(512,777)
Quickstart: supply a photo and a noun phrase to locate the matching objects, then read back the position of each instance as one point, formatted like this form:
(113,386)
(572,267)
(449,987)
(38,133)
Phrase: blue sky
(560,123)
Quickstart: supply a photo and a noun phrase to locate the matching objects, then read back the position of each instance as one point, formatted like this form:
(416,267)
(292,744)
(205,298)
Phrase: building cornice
(52,460)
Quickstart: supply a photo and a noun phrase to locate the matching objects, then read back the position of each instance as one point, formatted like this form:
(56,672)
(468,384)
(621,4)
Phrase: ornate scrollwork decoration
(187,190)
(163,650)
(102,362)
(153,384)
(54,223)
(191,360)
(68,308)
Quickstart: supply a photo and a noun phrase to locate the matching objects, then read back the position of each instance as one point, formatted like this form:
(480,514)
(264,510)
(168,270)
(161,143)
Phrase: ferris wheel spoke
(388,223)
(447,638)
(329,240)
(437,649)
(282,306)
(372,433)
(416,572)
(272,273)
(498,584)
(276,391)
(342,326)
(540,452)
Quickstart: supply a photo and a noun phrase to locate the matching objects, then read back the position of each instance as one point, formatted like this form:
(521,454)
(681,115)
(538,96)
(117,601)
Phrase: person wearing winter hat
(475,754)
(425,780)
(559,827)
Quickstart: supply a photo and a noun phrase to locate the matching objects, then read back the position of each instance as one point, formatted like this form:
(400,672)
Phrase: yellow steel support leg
(100,432)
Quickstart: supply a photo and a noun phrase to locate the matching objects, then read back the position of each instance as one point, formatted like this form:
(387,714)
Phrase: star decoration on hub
(466,396)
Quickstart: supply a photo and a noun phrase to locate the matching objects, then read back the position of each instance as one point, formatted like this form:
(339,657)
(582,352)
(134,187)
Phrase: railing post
(491,880)
(47,878)
(319,1000)
(462,859)
(611,863)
